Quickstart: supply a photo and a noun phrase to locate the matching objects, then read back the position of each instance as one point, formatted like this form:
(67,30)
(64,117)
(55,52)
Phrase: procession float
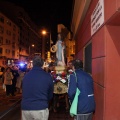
(59,74)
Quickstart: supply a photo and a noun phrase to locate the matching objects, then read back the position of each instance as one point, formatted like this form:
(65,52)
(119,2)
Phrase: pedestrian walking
(37,91)
(8,81)
(84,82)
(21,73)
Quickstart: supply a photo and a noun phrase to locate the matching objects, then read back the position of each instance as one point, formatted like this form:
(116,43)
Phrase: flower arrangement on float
(59,76)
(70,71)
(60,79)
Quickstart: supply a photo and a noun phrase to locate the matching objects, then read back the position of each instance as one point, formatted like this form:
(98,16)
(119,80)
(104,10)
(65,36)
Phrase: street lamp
(44,33)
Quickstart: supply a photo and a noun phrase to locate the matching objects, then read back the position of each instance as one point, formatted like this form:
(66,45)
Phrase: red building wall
(112,102)
(105,59)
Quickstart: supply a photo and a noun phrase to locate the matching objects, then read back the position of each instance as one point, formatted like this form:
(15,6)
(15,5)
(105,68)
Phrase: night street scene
(59,59)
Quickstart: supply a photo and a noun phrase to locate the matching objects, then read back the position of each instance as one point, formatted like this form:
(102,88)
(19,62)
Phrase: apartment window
(1,30)
(13,53)
(18,39)
(7,41)
(14,36)
(1,50)
(1,40)
(14,28)
(13,45)
(8,32)
(7,51)
(1,19)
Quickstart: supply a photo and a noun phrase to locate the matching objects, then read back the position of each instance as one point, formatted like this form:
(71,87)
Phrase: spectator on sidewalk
(8,81)
(37,91)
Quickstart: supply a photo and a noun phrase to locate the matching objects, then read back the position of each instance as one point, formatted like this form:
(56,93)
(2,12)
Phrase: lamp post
(44,32)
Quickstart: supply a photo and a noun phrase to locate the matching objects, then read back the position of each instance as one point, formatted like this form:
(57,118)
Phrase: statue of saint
(60,51)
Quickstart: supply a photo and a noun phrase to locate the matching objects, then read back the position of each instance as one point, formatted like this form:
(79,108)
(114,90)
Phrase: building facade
(96,26)
(9,40)
(29,32)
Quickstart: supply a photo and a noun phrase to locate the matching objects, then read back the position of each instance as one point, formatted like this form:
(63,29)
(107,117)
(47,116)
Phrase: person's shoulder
(87,75)
(81,72)
(47,74)
(72,75)
(43,72)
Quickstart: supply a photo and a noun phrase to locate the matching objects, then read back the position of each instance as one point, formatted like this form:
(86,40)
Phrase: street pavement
(7,103)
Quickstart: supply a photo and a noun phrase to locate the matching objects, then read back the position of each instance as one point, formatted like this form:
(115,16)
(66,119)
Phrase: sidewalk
(6,103)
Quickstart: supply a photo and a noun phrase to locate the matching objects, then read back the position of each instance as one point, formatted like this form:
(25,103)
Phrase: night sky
(47,13)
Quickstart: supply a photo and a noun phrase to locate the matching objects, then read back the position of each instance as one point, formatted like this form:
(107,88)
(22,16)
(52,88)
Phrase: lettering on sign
(97,17)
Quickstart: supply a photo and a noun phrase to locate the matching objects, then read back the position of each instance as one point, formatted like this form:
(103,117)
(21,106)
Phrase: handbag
(73,107)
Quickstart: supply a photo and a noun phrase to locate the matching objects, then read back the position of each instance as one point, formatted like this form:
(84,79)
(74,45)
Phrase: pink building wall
(105,59)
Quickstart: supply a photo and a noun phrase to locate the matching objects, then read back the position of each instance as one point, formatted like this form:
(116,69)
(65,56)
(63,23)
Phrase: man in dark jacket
(84,82)
(37,91)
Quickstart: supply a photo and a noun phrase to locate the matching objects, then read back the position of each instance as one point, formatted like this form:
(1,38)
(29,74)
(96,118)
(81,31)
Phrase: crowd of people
(11,77)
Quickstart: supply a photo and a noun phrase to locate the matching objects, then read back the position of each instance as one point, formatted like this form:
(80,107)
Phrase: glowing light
(22,64)
(44,32)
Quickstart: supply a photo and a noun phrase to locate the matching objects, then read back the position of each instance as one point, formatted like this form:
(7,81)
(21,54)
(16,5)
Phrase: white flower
(58,78)
(63,80)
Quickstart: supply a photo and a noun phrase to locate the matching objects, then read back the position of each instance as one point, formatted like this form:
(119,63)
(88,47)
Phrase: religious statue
(59,48)
(60,51)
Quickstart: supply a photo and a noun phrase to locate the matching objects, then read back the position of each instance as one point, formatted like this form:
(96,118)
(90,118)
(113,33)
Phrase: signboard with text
(97,17)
